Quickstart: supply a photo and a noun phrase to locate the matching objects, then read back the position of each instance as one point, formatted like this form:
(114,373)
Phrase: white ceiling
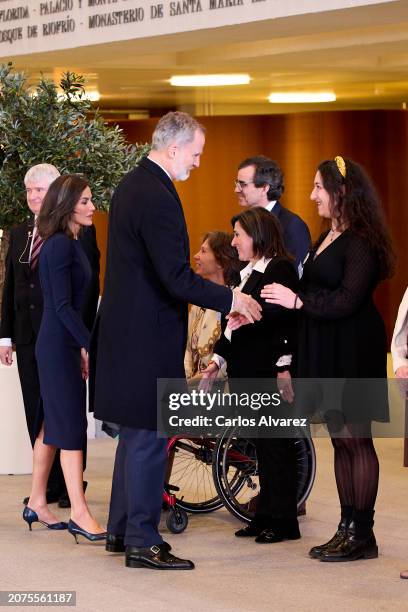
(361,54)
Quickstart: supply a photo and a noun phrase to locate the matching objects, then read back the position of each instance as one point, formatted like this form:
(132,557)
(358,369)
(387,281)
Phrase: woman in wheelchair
(264,350)
(216,261)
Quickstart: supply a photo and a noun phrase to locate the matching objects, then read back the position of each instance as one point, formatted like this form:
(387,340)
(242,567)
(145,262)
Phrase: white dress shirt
(399,348)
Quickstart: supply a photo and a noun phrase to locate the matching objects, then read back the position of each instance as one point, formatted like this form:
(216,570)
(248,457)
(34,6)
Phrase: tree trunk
(4,242)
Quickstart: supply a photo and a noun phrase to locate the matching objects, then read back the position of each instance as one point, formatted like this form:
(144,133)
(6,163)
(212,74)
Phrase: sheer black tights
(356,466)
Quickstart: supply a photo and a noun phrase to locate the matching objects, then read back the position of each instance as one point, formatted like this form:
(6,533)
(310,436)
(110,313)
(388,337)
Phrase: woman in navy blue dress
(62,353)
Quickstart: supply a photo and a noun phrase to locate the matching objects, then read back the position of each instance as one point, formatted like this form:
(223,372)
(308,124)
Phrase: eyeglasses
(241,184)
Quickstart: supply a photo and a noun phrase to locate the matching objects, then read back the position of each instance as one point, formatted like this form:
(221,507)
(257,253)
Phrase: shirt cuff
(220,361)
(232,303)
(6,342)
(285,360)
(398,361)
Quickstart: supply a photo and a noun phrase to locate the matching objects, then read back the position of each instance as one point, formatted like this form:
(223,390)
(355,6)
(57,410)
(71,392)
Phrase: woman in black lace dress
(342,335)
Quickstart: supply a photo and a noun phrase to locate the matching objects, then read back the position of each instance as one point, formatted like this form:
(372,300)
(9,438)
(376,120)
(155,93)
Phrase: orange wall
(298,142)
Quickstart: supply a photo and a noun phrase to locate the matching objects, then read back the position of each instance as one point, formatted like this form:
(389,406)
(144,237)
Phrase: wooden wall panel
(298,142)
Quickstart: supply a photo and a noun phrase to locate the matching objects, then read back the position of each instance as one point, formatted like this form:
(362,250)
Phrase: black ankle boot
(341,533)
(359,543)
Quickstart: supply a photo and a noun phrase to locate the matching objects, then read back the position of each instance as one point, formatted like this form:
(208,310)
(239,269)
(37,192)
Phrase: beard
(182,175)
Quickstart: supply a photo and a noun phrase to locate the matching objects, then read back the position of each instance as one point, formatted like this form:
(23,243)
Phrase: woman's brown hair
(59,204)
(225,255)
(265,231)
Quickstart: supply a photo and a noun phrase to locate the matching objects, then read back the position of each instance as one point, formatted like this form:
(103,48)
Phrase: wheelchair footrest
(168,487)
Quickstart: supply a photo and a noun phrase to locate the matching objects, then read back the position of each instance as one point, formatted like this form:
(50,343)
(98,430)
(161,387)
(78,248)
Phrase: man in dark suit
(22,306)
(141,328)
(260,183)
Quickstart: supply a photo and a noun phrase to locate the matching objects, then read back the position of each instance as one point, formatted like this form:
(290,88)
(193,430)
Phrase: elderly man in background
(22,306)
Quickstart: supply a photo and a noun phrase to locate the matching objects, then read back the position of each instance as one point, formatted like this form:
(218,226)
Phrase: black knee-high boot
(341,533)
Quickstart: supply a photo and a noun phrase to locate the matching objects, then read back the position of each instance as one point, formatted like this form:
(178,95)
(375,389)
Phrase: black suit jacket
(22,303)
(296,235)
(141,327)
(254,349)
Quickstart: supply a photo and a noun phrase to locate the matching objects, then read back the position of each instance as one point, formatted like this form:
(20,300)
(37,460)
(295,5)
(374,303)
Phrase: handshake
(244,310)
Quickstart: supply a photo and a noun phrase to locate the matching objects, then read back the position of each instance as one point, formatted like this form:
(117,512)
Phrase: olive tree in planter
(42,124)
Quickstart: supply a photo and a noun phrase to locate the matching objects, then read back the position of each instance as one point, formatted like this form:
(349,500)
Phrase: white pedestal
(15,448)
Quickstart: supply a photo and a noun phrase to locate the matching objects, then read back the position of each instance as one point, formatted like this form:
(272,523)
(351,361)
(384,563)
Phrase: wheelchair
(207,474)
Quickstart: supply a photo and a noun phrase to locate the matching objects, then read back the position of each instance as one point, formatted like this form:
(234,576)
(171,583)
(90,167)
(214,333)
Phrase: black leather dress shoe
(155,557)
(250,531)
(116,544)
(272,536)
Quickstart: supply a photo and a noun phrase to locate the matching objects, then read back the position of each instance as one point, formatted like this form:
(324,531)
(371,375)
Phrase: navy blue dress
(65,274)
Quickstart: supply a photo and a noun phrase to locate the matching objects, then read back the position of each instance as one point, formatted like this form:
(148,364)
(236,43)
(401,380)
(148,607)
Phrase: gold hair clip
(341,165)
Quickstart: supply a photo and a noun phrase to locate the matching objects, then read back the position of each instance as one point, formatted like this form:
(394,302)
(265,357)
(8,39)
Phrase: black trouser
(30,387)
(277,502)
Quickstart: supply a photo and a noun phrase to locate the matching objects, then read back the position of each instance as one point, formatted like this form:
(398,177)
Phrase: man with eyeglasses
(260,183)
(22,307)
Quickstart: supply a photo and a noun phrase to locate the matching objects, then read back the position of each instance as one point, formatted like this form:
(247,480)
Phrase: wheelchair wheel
(235,472)
(190,474)
(177,520)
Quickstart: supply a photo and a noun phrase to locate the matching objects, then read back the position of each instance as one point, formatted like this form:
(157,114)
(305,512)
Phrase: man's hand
(208,376)
(284,381)
(245,305)
(6,355)
(84,364)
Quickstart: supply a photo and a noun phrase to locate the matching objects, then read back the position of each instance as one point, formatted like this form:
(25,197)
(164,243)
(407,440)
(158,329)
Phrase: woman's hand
(208,376)
(236,320)
(285,388)
(401,372)
(84,364)
(6,355)
(281,295)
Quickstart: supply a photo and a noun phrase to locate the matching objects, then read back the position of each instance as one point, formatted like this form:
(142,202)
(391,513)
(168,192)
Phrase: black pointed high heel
(76,530)
(29,516)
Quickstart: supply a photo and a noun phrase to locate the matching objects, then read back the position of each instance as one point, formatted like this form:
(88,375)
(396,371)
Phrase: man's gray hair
(41,172)
(175,127)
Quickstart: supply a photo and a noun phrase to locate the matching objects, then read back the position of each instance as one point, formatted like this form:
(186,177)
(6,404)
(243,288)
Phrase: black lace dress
(342,335)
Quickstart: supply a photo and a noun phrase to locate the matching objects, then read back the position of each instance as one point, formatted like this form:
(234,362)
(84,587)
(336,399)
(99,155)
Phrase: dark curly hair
(355,204)
(225,255)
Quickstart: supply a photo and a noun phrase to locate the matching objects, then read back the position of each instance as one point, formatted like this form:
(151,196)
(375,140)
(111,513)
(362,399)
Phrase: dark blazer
(22,302)
(296,235)
(141,327)
(254,349)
